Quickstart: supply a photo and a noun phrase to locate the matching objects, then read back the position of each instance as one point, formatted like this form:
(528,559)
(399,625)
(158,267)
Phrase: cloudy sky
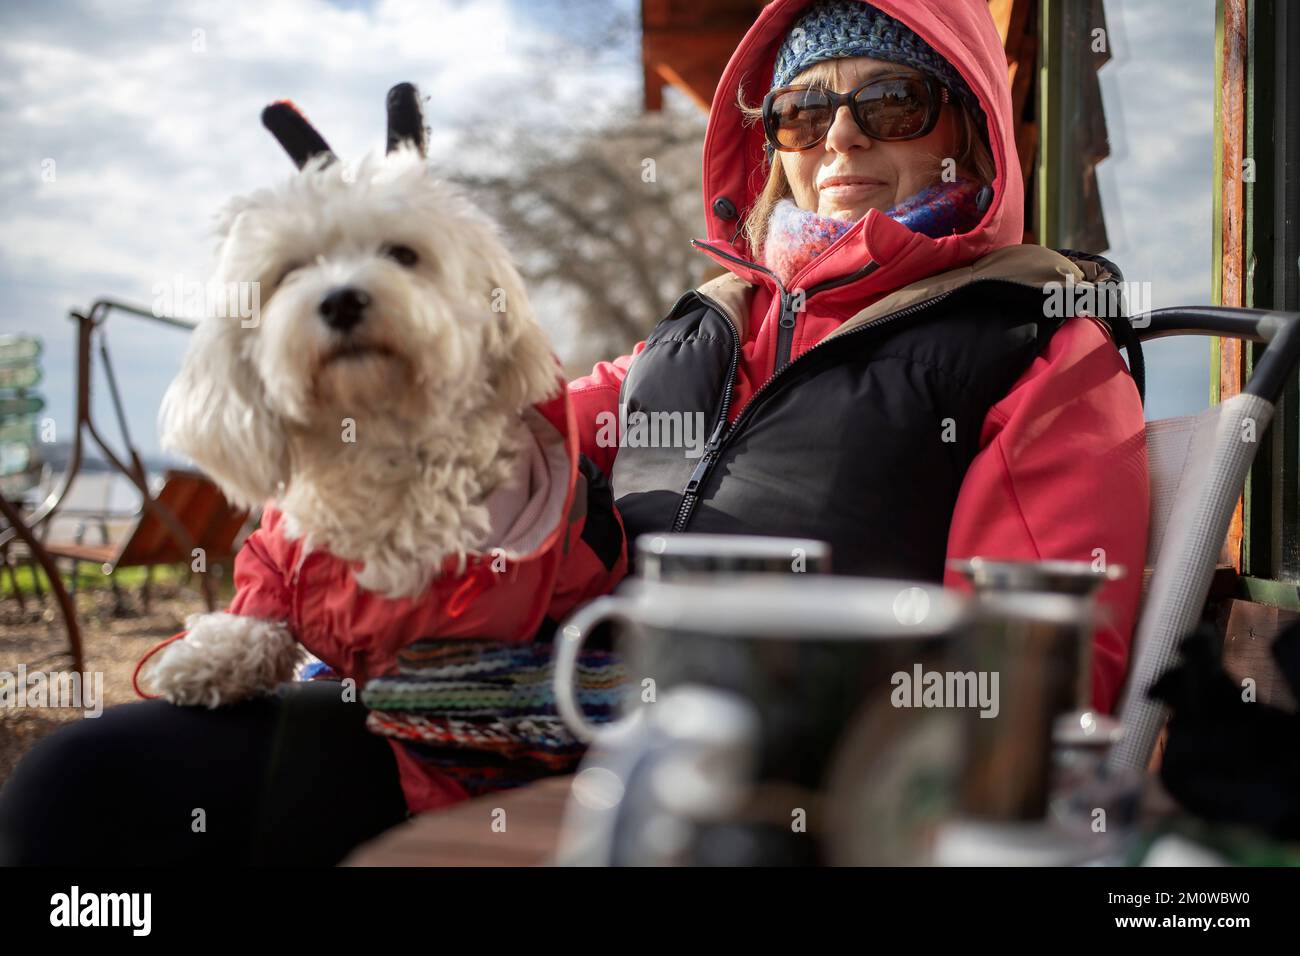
(124,125)
(1157,185)
(149,116)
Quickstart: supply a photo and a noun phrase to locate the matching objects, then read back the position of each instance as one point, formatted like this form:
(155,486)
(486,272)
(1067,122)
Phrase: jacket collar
(1032,266)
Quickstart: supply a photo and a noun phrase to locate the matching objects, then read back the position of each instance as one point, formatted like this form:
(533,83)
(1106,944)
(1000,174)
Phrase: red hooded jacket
(1062,460)
(553,562)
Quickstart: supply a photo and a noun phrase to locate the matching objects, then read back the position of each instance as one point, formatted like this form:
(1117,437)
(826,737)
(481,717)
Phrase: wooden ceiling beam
(692,60)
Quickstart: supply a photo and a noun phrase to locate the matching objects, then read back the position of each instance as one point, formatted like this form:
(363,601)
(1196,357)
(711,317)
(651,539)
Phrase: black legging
(290,779)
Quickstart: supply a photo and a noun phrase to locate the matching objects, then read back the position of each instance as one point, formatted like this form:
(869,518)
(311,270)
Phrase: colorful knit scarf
(797,236)
(484,711)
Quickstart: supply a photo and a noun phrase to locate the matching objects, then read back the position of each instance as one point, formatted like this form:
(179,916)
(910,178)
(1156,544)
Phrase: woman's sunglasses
(888,108)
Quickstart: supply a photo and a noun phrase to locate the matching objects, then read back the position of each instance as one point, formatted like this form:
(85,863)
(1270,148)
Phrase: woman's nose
(844,133)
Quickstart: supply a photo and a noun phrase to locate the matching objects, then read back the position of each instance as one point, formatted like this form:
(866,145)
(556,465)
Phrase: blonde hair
(973,158)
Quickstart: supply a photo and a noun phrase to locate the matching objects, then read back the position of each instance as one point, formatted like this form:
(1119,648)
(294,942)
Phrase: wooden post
(1228,358)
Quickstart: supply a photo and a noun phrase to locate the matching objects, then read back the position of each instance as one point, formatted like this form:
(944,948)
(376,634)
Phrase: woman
(899,388)
(875,367)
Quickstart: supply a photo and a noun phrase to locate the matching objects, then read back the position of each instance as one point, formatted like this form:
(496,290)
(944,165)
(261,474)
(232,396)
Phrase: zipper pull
(702,466)
(785,332)
(787,311)
(697,475)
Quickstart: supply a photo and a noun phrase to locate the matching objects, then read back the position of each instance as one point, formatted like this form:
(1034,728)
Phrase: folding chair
(1198,466)
(194,506)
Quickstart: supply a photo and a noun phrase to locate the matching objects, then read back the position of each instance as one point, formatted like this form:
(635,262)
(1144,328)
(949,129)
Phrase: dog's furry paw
(225,658)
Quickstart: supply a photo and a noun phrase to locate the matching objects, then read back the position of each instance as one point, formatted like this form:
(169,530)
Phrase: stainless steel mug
(659,556)
(809,654)
(1036,624)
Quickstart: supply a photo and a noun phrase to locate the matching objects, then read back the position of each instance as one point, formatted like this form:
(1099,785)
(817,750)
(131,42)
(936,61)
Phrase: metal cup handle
(573,633)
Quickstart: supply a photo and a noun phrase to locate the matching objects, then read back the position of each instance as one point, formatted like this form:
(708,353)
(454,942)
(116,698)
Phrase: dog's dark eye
(402,255)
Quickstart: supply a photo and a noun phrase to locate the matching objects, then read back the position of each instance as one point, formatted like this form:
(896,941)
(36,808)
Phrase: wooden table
(465,834)
(518,827)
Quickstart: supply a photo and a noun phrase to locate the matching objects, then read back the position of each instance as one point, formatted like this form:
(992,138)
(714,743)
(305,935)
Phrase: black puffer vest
(862,441)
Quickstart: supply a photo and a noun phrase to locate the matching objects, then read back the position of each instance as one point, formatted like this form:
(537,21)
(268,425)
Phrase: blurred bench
(192,504)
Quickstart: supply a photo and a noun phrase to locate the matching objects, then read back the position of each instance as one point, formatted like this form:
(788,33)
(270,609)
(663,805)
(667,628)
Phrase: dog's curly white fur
(380,442)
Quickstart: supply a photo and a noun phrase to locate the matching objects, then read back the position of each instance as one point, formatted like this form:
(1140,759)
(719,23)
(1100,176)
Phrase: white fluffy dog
(378,397)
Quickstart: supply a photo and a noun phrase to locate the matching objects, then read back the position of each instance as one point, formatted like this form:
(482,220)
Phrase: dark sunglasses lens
(894,108)
(798,118)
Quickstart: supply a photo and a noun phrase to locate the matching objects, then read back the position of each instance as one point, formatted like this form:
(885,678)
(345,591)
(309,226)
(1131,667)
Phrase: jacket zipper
(788,316)
(785,331)
(714,444)
(722,434)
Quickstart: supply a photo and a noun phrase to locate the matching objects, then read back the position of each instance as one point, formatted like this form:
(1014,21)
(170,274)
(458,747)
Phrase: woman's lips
(849,190)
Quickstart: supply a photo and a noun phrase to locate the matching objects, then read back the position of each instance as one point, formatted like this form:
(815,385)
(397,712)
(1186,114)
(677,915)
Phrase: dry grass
(113,641)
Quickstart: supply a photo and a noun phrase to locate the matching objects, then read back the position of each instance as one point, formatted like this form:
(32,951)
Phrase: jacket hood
(735,166)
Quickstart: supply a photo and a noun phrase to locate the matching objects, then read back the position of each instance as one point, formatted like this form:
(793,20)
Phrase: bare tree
(600,221)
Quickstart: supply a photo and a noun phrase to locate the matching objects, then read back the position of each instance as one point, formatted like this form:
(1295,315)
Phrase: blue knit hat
(841,28)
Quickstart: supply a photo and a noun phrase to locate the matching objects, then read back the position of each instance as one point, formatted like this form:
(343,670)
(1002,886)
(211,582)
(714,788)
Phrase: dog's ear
(236,224)
(522,369)
(216,412)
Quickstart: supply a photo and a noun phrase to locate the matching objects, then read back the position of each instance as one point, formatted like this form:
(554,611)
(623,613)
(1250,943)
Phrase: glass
(898,106)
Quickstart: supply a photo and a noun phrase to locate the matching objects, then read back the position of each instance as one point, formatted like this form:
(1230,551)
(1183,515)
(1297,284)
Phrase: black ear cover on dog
(291,129)
(405,118)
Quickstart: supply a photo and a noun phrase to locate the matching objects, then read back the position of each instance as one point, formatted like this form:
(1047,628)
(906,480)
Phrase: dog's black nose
(342,308)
